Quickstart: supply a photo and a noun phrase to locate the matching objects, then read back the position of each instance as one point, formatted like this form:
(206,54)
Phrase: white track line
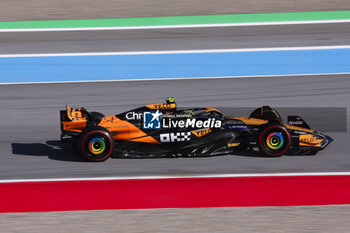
(172,79)
(176,26)
(181,176)
(178,51)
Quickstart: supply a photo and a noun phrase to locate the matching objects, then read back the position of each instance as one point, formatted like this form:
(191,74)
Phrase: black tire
(274,140)
(96,144)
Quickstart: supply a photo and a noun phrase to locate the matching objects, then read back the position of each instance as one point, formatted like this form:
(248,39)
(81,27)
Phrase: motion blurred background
(18,10)
(20,125)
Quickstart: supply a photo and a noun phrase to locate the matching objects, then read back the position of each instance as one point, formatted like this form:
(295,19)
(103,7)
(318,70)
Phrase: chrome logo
(97,146)
(275,141)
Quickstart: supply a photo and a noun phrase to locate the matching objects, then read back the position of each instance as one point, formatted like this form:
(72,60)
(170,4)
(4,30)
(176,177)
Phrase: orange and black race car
(161,130)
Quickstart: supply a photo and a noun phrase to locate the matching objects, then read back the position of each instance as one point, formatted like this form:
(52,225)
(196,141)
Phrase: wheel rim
(275,141)
(97,146)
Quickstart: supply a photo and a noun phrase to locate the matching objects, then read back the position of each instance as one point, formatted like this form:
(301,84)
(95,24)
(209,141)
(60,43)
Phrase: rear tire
(274,140)
(96,144)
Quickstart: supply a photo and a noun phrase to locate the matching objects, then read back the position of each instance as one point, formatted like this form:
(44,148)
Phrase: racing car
(162,130)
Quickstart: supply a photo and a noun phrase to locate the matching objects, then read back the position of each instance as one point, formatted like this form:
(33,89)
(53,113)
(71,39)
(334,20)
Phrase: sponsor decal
(236,126)
(133,115)
(295,122)
(299,132)
(175,137)
(74,124)
(309,139)
(120,126)
(156,120)
(66,136)
(138,115)
(163,106)
(180,115)
(202,132)
(109,119)
(191,123)
(233,144)
(151,120)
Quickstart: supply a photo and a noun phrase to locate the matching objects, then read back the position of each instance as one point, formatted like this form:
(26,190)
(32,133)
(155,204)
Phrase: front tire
(274,140)
(96,144)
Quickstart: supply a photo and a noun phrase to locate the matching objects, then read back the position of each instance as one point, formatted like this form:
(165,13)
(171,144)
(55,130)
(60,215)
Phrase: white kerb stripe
(182,176)
(177,51)
(175,26)
(172,79)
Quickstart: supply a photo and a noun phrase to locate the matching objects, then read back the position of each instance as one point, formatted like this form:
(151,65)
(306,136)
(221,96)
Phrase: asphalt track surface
(29,140)
(175,39)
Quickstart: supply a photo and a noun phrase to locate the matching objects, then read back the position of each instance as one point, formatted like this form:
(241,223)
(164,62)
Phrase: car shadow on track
(252,153)
(54,150)
(249,153)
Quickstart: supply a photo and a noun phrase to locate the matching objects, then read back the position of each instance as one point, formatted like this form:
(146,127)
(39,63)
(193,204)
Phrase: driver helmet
(170,100)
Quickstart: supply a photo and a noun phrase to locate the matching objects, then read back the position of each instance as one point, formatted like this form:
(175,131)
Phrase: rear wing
(73,122)
(74,114)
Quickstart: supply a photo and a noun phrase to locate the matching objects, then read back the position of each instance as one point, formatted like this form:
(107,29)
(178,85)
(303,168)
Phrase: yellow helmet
(170,100)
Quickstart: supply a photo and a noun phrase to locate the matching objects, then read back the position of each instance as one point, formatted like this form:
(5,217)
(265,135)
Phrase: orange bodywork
(292,127)
(76,123)
(123,130)
(306,139)
(309,140)
(250,121)
(74,126)
(120,129)
(210,109)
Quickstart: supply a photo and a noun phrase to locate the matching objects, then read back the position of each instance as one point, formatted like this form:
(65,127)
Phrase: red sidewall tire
(105,135)
(262,138)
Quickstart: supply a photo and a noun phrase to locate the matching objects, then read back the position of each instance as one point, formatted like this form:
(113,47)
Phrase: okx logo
(151,120)
(175,137)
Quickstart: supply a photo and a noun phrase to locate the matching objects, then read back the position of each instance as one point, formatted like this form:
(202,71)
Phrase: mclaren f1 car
(161,130)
